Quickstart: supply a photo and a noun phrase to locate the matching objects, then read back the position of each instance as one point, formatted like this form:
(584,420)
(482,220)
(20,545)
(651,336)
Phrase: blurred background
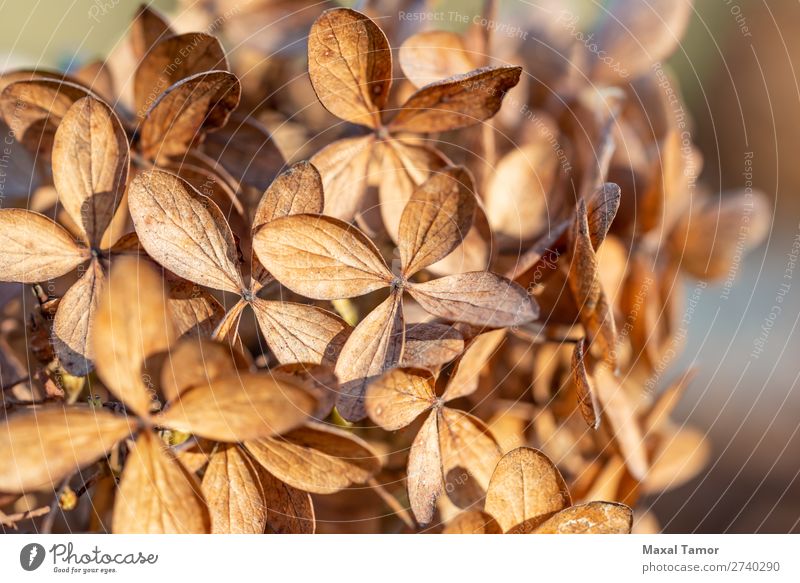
(736,67)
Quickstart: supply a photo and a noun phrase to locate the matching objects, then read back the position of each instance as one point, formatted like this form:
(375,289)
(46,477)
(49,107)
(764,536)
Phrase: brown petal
(33,109)
(399,396)
(296,191)
(433,55)
(710,238)
(240,406)
(436,219)
(42,447)
(321,257)
(680,456)
(350,65)
(518,190)
(301,333)
(289,511)
(456,102)
(375,346)
(90,165)
(624,423)
(316,458)
(147,29)
(591,518)
(404,167)
(157,495)
(472,522)
(182,114)
(596,314)
(480,298)
(73,327)
(620,34)
(195,312)
(465,377)
(587,400)
(197,361)
(601,208)
(425,477)
(184,231)
(469,455)
(343,166)
(526,489)
(33,248)
(430,345)
(171,60)
(132,323)
(234,493)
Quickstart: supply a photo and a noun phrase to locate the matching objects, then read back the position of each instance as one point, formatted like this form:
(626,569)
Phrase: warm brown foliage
(426,300)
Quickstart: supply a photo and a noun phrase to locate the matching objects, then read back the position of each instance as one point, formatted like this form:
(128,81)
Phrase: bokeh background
(738,68)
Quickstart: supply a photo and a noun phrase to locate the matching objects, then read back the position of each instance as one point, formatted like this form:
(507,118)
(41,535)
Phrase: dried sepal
(34,248)
(430,345)
(233,490)
(316,458)
(321,257)
(472,522)
(587,399)
(480,298)
(525,490)
(157,495)
(436,219)
(350,65)
(464,378)
(456,102)
(240,406)
(73,326)
(591,518)
(433,55)
(374,346)
(40,448)
(184,231)
(399,396)
(132,324)
(182,114)
(90,165)
(425,477)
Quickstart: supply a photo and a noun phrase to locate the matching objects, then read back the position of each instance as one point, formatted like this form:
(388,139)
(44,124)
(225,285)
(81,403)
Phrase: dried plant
(395,367)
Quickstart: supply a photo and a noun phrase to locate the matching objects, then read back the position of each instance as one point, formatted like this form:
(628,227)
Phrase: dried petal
(425,477)
(375,346)
(465,377)
(75,319)
(157,495)
(591,518)
(240,406)
(480,298)
(343,166)
(433,55)
(316,458)
(171,60)
(472,522)
(526,489)
(321,257)
(469,455)
(436,219)
(398,397)
(350,65)
(182,114)
(184,231)
(587,400)
(456,102)
(33,248)
(301,333)
(90,165)
(235,495)
(40,448)
(132,323)
(430,345)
